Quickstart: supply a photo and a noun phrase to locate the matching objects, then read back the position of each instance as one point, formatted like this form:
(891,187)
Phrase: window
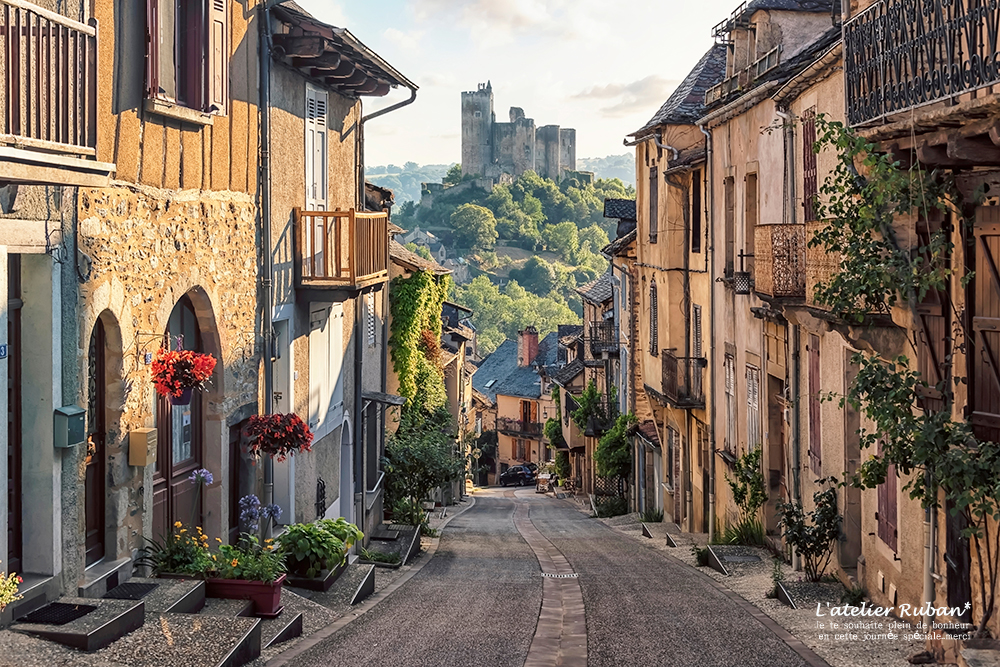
(370,317)
(750,222)
(696,331)
(729,187)
(753,407)
(809,177)
(815,446)
(326,357)
(673,444)
(696,181)
(653,324)
(477,114)
(316,151)
(729,368)
(654,203)
(520,454)
(187,56)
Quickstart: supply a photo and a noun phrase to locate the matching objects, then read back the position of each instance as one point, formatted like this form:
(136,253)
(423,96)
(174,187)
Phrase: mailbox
(69,426)
(142,447)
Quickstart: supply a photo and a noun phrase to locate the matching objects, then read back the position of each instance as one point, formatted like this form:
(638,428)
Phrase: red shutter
(218,57)
(815,446)
(984,357)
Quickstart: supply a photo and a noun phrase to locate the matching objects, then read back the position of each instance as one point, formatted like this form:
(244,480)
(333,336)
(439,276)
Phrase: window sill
(177,112)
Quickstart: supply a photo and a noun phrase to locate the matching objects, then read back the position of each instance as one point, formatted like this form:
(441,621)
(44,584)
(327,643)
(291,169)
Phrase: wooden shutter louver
(815,426)
(654,203)
(696,343)
(753,407)
(152,48)
(809,171)
(654,342)
(218,57)
(984,357)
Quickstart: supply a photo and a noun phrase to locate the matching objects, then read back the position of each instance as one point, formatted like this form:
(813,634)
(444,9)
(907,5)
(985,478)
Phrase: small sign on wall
(3,350)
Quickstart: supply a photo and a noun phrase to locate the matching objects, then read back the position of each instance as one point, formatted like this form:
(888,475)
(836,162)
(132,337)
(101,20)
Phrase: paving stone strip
(561,634)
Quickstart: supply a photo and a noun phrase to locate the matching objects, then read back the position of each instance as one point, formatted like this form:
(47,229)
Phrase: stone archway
(346,495)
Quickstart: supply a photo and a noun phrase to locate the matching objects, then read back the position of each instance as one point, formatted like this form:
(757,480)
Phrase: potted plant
(249,570)
(8,589)
(344,530)
(278,436)
(176,373)
(183,553)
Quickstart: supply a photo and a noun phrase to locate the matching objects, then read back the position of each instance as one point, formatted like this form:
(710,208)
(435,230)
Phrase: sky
(602,67)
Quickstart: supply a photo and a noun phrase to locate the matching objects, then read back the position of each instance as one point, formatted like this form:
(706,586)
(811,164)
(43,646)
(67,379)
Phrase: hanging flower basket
(177,372)
(278,436)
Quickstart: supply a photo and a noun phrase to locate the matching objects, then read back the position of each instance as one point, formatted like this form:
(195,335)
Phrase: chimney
(527,346)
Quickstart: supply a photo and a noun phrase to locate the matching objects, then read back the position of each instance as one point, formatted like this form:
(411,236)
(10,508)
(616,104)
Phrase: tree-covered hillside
(405,181)
(613,166)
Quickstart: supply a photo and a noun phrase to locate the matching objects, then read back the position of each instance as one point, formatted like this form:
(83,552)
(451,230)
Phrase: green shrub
(652,516)
(777,577)
(700,554)
(749,494)
(814,533)
(608,507)
(343,530)
(311,547)
(248,559)
(183,552)
(379,557)
(854,596)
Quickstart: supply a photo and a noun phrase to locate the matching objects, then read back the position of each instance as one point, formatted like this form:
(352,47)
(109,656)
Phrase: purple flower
(250,511)
(201,475)
(271,512)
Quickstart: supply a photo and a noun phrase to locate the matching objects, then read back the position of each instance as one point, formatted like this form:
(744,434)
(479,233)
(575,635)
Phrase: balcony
(780,260)
(603,338)
(820,265)
(683,380)
(518,427)
(903,54)
(341,249)
(48,98)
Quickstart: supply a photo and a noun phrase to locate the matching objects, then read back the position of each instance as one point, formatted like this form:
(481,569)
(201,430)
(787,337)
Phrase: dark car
(520,475)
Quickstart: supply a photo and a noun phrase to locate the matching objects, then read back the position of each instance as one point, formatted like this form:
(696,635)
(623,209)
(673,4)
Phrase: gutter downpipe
(789,213)
(709,208)
(361,140)
(268,267)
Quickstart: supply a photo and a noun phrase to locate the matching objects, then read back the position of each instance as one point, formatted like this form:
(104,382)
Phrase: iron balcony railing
(49,89)
(779,268)
(603,338)
(902,54)
(341,248)
(683,380)
(510,425)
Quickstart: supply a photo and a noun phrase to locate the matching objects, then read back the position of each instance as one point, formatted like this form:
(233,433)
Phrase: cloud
(329,11)
(496,22)
(622,99)
(407,41)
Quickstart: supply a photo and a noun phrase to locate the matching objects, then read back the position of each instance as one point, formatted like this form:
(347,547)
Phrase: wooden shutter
(217,77)
(984,357)
(316,148)
(160,49)
(753,407)
(696,325)
(932,332)
(654,203)
(653,323)
(815,446)
(335,381)
(152,48)
(809,173)
(887,497)
(696,180)
(319,365)
(729,367)
(730,196)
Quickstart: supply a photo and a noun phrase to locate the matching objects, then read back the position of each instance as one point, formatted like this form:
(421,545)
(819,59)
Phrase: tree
(562,239)
(474,227)
(536,275)
(613,456)
(595,236)
(454,175)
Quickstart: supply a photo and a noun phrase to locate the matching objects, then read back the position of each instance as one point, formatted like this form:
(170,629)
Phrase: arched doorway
(346,495)
(94,484)
(180,436)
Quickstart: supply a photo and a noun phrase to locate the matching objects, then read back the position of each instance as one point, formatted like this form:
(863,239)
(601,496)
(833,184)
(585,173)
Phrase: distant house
(419,236)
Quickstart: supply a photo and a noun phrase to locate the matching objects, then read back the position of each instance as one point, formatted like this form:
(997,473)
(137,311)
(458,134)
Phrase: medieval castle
(492,150)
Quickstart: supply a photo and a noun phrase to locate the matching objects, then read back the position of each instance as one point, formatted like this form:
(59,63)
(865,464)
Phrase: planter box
(266,597)
(321,582)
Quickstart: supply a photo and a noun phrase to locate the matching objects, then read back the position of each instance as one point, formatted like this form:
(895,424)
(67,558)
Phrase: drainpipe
(361,141)
(796,429)
(267,269)
(360,484)
(710,250)
(930,517)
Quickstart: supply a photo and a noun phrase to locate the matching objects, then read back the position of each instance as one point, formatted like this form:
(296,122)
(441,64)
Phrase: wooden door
(94,485)
(957,559)
(240,478)
(179,441)
(13,413)
(984,355)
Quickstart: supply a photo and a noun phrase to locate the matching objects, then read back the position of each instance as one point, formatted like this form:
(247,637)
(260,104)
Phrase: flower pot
(266,597)
(183,399)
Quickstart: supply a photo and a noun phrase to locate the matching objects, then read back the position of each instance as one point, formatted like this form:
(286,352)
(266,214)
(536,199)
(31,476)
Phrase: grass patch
(379,557)
(652,516)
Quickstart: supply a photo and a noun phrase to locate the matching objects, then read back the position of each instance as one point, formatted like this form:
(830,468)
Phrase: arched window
(654,342)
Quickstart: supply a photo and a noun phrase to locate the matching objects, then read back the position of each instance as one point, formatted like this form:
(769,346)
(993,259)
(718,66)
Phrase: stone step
(227,607)
(276,630)
(178,596)
(100,624)
(192,640)
(355,584)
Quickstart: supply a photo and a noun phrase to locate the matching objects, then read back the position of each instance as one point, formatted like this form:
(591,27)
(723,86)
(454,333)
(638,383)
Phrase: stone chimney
(527,346)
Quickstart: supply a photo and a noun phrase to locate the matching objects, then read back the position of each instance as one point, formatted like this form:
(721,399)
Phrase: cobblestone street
(482,600)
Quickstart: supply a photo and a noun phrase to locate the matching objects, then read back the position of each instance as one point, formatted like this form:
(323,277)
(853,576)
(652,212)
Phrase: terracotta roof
(622,209)
(567,372)
(598,291)
(471,368)
(481,397)
(395,229)
(412,260)
(647,431)
(687,103)
(620,244)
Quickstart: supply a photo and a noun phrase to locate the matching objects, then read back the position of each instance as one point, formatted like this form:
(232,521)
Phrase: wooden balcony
(904,54)
(519,427)
(683,380)
(48,98)
(820,265)
(341,249)
(779,261)
(603,338)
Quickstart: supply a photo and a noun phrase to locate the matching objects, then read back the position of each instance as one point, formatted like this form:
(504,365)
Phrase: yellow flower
(234,563)
(268,541)
(219,540)
(182,531)
(177,524)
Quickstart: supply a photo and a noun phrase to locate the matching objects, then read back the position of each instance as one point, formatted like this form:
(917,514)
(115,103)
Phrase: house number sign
(3,350)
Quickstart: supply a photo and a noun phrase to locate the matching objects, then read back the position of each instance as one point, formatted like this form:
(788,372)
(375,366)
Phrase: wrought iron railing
(683,380)
(341,248)
(779,269)
(49,89)
(603,338)
(901,54)
(509,425)
(821,265)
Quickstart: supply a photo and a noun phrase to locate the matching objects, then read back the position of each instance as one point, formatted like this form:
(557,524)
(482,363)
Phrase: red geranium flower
(177,370)
(278,436)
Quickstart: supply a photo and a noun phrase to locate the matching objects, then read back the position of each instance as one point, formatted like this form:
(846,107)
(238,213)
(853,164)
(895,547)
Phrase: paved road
(477,602)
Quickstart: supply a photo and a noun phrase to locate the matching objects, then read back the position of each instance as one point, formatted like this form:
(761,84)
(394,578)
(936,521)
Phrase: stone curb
(285,657)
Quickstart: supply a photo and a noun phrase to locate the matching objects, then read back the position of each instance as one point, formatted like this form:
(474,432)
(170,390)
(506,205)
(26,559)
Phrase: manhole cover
(57,613)
(741,559)
(559,576)
(130,591)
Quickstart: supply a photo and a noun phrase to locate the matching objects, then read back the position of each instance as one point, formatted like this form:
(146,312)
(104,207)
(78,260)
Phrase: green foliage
(500,314)
(653,515)
(249,559)
(591,403)
(613,456)
(563,468)
(183,552)
(415,303)
(420,250)
(310,548)
(343,530)
(409,512)
(454,175)
(610,506)
(373,556)
(563,239)
(537,276)
(553,433)
(854,595)
(813,534)
(473,227)
(421,455)
(701,555)
(749,494)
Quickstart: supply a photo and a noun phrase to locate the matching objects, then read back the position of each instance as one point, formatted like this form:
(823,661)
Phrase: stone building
(493,149)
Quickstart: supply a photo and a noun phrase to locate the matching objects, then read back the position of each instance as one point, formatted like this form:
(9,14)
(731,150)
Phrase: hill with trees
(405,181)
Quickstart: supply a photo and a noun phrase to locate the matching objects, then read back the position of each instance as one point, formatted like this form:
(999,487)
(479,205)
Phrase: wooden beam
(326,60)
(305,46)
(978,150)
(345,70)
(937,156)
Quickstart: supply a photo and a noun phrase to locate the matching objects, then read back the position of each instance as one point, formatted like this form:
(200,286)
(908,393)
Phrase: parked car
(520,475)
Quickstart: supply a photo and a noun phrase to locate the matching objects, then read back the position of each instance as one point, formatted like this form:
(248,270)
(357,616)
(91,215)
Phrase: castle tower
(477,129)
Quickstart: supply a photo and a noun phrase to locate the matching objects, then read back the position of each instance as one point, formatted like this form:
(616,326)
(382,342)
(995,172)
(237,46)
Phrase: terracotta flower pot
(266,596)
(183,399)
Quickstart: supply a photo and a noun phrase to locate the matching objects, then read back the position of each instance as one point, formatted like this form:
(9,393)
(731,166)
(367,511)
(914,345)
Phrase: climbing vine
(415,303)
(613,456)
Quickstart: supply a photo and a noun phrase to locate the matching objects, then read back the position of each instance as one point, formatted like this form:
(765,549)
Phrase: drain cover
(741,559)
(130,591)
(57,613)
(559,576)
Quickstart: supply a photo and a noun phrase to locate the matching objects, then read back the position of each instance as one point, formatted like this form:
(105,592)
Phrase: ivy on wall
(415,303)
